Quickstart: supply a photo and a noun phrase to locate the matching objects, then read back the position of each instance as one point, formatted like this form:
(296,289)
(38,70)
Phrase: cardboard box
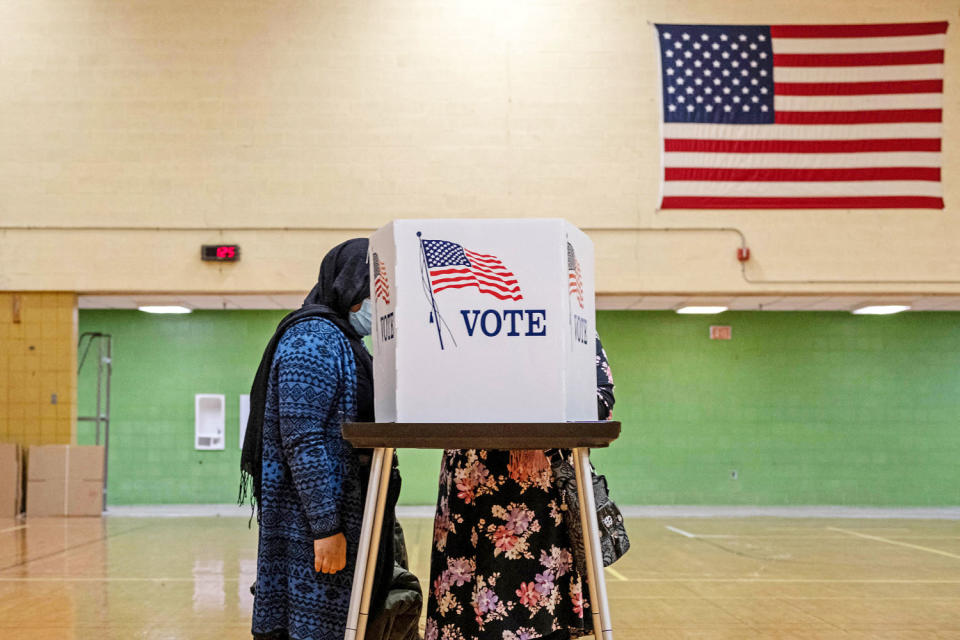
(65,480)
(483,321)
(47,481)
(11,480)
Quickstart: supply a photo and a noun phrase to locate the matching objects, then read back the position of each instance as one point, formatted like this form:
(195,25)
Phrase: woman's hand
(330,554)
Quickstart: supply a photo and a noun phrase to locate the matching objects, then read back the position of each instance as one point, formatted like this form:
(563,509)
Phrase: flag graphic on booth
(381,283)
(574,275)
(802,116)
(449,265)
(453,266)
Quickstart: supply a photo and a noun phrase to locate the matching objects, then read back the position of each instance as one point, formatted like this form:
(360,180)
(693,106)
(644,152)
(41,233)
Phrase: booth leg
(600,609)
(365,569)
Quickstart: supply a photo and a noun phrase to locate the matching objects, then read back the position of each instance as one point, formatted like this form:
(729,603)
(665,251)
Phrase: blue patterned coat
(310,485)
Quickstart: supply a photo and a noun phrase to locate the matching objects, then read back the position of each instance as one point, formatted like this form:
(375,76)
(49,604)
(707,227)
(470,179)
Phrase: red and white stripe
(858,125)
(382,286)
(576,283)
(487,273)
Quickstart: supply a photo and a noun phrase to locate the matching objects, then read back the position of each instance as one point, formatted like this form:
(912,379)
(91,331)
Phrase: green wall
(806,408)
(159,363)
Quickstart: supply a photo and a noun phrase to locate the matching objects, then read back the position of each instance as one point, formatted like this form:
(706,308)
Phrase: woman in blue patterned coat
(315,374)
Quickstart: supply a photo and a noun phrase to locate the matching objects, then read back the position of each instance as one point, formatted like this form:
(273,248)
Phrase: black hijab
(344,281)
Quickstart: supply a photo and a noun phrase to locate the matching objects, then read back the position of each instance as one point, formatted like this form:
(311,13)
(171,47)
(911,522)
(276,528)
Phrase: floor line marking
(747,536)
(25,561)
(22,526)
(685,534)
(795,580)
(118,579)
(616,574)
(896,542)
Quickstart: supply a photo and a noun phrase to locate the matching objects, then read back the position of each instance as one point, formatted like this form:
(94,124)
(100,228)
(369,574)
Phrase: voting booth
(484,336)
(484,320)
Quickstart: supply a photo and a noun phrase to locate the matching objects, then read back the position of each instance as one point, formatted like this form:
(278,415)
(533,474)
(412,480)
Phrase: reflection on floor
(702,578)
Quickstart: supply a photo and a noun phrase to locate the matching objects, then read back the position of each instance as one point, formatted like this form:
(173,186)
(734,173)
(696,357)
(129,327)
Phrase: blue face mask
(361,320)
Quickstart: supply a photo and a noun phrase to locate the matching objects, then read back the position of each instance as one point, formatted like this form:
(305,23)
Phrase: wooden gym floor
(188,578)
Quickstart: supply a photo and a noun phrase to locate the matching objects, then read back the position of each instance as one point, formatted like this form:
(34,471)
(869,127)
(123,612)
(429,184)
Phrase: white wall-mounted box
(210,411)
(244,415)
(483,321)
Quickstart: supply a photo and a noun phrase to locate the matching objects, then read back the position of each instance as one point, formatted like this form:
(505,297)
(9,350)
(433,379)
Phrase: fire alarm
(743,254)
(718,332)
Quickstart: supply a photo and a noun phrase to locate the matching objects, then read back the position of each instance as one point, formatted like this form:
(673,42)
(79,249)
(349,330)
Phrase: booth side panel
(580,348)
(385,291)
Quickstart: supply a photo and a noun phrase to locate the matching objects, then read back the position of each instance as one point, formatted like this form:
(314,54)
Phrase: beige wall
(133,132)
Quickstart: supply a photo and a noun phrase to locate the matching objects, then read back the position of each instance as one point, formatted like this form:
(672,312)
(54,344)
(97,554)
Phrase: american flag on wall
(574,275)
(802,116)
(453,266)
(381,283)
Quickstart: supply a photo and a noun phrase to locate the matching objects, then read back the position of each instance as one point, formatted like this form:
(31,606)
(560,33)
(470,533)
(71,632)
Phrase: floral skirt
(501,567)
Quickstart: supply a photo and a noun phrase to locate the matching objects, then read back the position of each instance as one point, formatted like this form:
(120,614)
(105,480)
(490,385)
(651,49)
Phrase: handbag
(614,542)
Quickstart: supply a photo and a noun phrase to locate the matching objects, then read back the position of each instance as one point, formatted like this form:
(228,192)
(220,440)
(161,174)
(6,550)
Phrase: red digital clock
(220,252)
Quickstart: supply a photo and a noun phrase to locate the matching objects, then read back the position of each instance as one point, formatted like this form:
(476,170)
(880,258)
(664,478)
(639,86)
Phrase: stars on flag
(717,74)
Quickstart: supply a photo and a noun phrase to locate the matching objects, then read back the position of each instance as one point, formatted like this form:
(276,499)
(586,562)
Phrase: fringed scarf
(527,464)
(343,282)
